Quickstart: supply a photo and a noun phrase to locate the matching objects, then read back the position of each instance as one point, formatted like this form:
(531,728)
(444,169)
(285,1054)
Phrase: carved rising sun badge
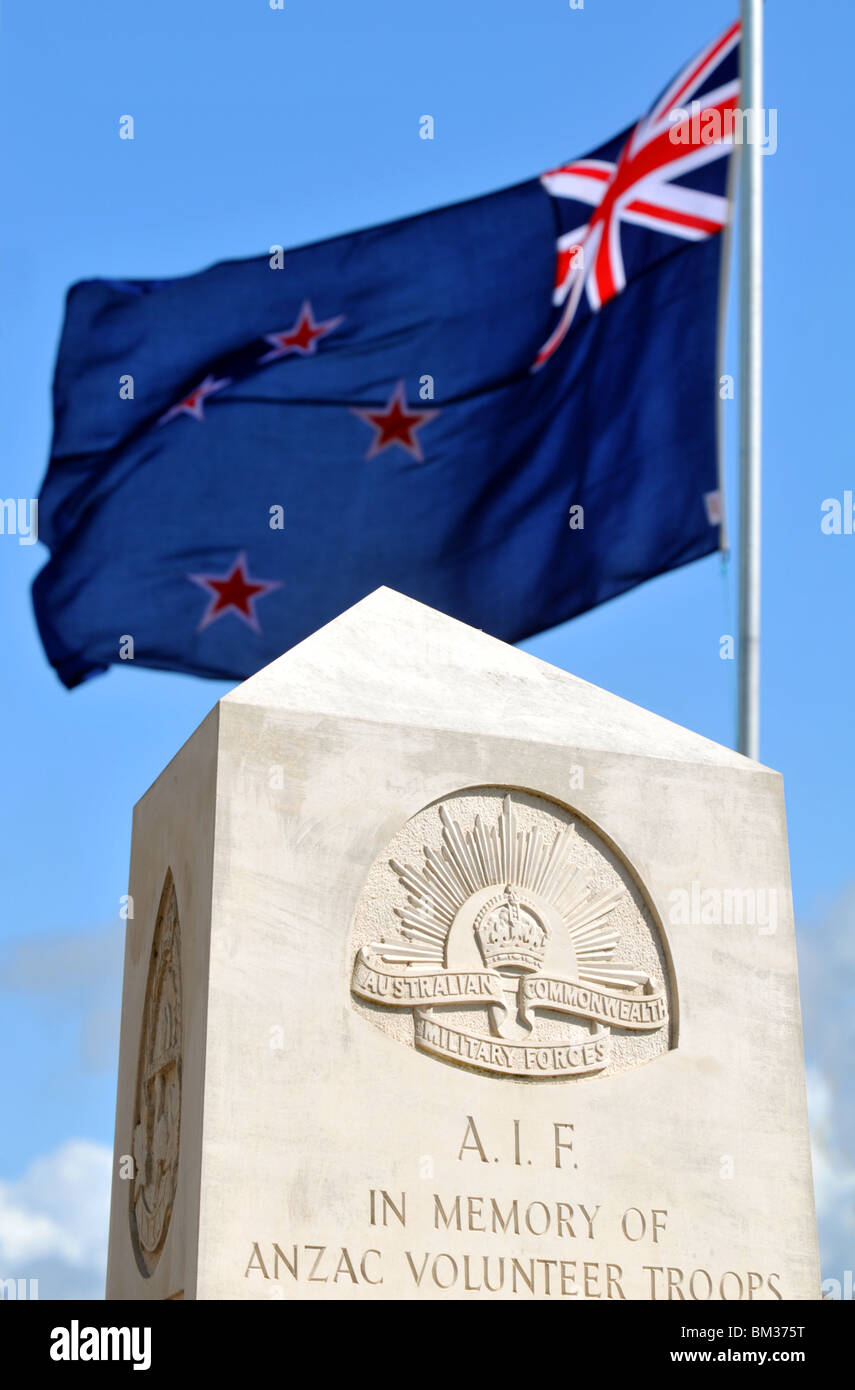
(157,1105)
(504,951)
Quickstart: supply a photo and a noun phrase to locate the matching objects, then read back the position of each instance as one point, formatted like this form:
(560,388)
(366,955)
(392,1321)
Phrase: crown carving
(510,935)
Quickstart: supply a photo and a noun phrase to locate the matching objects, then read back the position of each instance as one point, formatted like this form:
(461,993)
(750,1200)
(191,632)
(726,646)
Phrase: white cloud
(827,977)
(833,1173)
(56,962)
(54,1218)
(84,969)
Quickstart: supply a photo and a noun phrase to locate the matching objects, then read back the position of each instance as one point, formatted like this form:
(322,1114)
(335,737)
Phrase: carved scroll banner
(635,1012)
(511,1059)
(380,985)
(426,992)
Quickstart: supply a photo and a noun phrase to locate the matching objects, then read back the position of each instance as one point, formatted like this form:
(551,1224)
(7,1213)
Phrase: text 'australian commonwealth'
(405,988)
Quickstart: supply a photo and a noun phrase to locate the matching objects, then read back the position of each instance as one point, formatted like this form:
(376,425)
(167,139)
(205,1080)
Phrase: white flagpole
(751,344)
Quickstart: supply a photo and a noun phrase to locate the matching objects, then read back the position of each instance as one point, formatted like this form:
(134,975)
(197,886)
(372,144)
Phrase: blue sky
(255,127)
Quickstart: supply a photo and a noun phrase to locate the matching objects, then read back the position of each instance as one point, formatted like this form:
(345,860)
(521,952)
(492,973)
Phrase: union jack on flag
(665,178)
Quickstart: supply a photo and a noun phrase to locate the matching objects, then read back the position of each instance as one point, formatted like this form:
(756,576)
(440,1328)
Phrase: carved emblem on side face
(157,1105)
(504,940)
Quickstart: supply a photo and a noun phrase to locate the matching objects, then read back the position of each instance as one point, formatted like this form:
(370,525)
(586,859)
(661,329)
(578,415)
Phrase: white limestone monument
(451,976)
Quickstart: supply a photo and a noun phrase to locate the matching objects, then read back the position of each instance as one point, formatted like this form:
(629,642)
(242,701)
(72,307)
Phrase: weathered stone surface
(466,979)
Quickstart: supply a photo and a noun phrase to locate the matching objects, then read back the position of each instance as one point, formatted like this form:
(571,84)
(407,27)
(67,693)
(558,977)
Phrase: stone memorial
(451,976)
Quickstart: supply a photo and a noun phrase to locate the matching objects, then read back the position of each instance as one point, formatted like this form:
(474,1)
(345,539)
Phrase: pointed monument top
(394,660)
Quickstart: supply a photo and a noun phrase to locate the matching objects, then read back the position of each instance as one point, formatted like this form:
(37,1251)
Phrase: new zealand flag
(505,408)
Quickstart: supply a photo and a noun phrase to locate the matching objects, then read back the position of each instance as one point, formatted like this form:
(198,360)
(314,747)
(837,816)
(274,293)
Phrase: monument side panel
(154,1214)
(493,1018)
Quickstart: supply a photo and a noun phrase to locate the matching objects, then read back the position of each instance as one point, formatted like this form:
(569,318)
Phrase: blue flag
(505,408)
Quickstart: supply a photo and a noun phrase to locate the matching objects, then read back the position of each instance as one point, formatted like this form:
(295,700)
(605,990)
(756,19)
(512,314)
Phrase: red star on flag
(192,404)
(397,424)
(235,593)
(302,337)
